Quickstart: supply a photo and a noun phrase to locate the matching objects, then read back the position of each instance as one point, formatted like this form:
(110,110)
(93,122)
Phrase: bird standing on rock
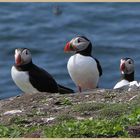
(32,79)
(127,73)
(82,67)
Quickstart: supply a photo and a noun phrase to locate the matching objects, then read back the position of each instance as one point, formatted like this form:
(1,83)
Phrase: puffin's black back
(42,80)
(99,67)
(39,78)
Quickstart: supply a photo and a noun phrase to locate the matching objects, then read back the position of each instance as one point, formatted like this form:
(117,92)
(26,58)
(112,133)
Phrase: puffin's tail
(64,90)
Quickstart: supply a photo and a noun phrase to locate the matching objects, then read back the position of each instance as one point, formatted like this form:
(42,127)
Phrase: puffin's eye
(26,52)
(129,62)
(78,40)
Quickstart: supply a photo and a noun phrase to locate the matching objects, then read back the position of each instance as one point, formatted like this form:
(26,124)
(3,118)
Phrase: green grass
(86,128)
(15,131)
(64,101)
(112,121)
(94,128)
(9,132)
(65,117)
(19,121)
(88,107)
(74,128)
(113,111)
(103,110)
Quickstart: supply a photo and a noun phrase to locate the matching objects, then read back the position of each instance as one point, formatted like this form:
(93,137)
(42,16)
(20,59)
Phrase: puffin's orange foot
(80,89)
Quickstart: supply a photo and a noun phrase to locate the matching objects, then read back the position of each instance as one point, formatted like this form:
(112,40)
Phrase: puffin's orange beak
(69,47)
(18,59)
(122,66)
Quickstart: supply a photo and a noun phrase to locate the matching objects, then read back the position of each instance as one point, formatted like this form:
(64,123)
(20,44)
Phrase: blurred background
(113,28)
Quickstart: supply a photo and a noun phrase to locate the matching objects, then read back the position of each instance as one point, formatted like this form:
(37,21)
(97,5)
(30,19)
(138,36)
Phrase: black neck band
(129,77)
(25,67)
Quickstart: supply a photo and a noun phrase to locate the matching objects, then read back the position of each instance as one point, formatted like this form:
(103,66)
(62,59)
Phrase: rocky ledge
(114,113)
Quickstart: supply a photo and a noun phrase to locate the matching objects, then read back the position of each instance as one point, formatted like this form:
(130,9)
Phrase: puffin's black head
(79,44)
(22,56)
(127,66)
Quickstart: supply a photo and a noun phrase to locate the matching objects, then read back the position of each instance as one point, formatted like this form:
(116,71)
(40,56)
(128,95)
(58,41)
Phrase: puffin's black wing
(42,80)
(64,90)
(99,67)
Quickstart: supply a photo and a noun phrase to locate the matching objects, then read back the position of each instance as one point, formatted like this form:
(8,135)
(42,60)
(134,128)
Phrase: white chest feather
(21,79)
(124,84)
(83,71)
(121,84)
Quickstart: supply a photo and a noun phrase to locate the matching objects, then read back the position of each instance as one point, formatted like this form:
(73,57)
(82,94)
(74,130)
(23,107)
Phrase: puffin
(127,72)
(83,69)
(31,78)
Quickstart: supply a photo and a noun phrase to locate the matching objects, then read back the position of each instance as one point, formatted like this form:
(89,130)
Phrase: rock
(134,130)
(12,112)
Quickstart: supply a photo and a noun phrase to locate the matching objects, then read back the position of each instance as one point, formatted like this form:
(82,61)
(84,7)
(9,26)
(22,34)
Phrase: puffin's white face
(126,65)
(77,44)
(22,56)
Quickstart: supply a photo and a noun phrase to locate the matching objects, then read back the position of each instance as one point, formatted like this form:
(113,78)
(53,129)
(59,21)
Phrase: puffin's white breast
(21,79)
(83,71)
(124,84)
(121,84)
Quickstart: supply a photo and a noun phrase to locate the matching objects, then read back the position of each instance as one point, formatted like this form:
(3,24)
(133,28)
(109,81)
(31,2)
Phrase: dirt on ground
(44,108)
